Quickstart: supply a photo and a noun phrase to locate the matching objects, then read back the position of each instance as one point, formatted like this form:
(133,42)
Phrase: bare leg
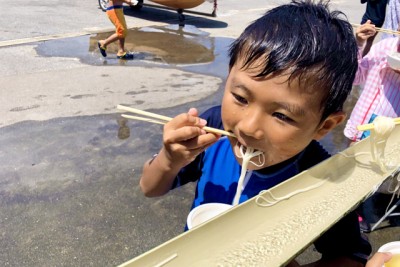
(112,38)
(121,49)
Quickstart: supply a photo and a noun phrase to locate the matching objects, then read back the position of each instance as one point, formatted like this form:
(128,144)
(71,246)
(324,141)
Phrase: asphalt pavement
(70,165)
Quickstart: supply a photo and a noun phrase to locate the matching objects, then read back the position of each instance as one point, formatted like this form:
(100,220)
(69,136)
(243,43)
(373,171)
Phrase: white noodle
(383,127)
(246,156)
(264,201)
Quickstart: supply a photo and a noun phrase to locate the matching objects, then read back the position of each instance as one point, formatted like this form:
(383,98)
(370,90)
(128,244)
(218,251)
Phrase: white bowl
(393,247)
(393,59)
(205,212)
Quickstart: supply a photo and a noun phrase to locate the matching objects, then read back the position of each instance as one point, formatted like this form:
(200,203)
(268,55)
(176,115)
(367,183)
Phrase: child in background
(380,95)
(115,13)
(290,72)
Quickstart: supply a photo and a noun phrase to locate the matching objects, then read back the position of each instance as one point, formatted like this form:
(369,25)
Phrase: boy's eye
(282,117)
(240,99)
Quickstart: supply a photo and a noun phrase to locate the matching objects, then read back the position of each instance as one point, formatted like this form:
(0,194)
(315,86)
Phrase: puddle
(169,46)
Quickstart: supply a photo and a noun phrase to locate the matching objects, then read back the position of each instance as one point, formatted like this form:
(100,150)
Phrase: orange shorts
(117,17)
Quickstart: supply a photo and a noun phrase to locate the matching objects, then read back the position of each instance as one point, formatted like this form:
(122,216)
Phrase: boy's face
(272,116)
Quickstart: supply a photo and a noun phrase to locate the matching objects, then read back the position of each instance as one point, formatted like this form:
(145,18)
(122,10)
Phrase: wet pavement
(69,191)
(70,197)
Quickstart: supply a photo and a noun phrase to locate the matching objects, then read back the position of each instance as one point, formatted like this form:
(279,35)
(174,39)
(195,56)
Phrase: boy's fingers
(192,137)
(184,134)
(188,150)
(201,142)
(184,127)
(181,134)
(193,112)
(187,119)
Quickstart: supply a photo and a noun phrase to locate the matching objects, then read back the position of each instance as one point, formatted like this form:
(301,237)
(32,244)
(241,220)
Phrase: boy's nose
(251,126)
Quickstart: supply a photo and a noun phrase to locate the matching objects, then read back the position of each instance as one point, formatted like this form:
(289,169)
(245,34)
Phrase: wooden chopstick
(379,29)
(163,119)
(370,126)
(142,119)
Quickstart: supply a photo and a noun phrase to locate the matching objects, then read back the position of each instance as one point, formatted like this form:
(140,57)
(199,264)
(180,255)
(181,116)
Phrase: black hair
(307,41)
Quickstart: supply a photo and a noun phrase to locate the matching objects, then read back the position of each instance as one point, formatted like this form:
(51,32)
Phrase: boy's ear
(329,123)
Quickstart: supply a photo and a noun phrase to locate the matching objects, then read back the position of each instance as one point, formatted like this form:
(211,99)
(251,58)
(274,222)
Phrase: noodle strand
(246,154)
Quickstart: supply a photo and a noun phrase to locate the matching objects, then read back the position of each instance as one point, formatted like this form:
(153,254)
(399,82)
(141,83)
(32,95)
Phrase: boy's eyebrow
(294,109)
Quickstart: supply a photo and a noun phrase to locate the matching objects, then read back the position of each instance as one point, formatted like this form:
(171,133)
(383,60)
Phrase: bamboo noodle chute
(277,233)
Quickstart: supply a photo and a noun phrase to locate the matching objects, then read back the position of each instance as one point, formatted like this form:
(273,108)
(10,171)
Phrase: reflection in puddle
(123,131)
(168,45)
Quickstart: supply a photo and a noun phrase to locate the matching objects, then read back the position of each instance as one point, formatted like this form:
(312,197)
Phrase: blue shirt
(217,173)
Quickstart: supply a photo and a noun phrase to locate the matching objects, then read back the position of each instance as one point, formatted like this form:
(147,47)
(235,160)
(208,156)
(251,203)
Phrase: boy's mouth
(242,145)
(241,148)
(249,155)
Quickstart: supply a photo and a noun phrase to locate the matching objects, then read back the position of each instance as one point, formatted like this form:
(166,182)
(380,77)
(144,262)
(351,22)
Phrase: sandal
(126,56)
(102,50)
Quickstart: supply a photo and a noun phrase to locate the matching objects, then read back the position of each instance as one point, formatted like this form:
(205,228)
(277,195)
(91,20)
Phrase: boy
(289,73)
(115,13)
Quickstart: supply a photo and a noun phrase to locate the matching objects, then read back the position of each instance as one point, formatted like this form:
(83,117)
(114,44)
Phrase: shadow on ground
(172,16)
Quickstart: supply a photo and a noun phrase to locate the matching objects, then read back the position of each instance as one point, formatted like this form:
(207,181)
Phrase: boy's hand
(364,32)
(184,139)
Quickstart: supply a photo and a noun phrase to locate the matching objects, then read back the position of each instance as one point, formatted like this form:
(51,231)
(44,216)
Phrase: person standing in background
(375,12)
(380,95)
(115,13)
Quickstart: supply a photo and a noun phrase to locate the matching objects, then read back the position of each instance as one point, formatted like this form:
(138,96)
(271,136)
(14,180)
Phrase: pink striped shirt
(381,92)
